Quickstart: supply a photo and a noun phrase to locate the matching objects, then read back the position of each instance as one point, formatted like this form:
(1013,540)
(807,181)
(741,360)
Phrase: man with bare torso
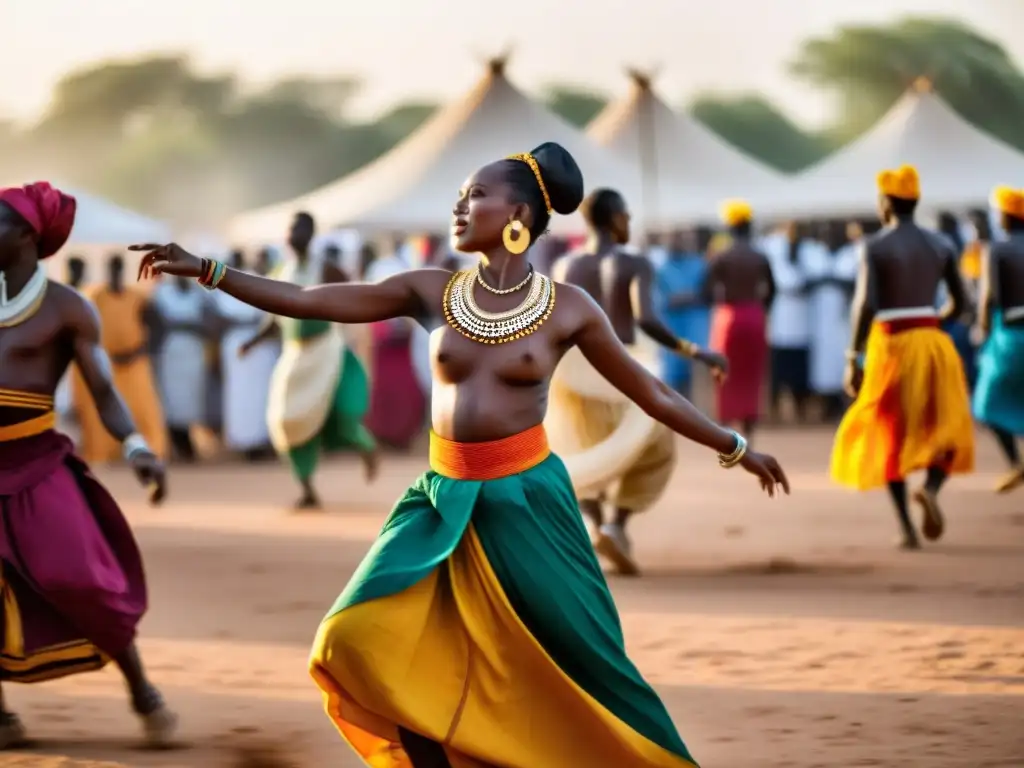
(740,290)
(622,284)
(911,410)
(68,554)
(999,390)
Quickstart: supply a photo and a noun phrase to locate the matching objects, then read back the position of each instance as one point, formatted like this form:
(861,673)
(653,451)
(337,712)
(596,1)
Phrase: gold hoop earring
(516,237)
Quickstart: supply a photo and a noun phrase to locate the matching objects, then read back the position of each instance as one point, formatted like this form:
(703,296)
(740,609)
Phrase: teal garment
(999,392)
(530,528)
(343,427)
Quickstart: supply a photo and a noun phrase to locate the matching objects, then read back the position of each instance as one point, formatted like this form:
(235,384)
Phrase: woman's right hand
(767,470)
(170,259)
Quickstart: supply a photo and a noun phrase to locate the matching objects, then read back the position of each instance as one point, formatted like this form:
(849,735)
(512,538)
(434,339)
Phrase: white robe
(789,323)
(182,369)
(246,379)
(830,316)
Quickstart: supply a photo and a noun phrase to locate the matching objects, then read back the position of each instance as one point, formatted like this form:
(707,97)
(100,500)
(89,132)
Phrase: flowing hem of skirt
(450,659)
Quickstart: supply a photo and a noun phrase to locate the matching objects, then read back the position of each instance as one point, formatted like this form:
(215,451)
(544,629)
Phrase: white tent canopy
(413,187)
(101,222)
(688,169)
(958,162)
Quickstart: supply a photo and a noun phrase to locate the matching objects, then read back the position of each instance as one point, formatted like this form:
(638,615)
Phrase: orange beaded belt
(27,401)
(490,460)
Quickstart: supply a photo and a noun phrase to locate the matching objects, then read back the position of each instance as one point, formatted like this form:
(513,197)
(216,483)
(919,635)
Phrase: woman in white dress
(246,379)
(183,312)
(789,321)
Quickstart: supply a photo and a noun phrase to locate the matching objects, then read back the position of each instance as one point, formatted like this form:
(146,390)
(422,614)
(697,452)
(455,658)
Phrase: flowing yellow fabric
(122,332)
(456,614)
(912,411)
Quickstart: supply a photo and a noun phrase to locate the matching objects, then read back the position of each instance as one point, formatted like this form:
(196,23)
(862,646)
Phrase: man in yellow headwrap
(999,392)
(911,410)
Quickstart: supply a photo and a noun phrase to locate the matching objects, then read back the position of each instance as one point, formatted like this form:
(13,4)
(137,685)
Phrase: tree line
(216,148)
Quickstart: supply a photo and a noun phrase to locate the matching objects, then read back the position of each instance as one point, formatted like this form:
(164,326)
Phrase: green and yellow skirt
(481,619)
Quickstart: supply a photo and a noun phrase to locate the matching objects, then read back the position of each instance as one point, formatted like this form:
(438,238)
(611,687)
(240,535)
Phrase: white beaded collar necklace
(18,309)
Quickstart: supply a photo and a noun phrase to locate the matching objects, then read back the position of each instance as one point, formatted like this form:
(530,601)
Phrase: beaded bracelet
(730,460)
(211,273)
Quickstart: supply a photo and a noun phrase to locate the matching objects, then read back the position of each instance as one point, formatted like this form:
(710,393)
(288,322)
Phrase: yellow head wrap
(903,183)
(1009,201)
(736,212)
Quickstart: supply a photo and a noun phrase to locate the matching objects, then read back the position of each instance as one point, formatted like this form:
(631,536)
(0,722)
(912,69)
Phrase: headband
(530,160)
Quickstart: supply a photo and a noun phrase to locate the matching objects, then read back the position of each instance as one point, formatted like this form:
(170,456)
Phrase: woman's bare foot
(371,464)
(933,525)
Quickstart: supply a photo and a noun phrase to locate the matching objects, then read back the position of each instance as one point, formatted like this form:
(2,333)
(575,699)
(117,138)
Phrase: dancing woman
(479,630)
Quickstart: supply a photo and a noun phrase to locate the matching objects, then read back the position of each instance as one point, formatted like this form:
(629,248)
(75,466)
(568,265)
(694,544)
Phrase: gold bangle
(730,460)
(687,348)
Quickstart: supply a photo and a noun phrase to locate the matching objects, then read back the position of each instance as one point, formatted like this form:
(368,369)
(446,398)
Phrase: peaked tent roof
(958,162)
(413,187)
(689,160)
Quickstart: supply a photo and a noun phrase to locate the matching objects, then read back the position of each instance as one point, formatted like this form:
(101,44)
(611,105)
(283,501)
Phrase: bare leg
(898,492)
(615,545)
(12,732)
(309,498)
(371,464)
(749,426)
(927,498)
(1008,446)
(160,723)
(593,510)
(423,752)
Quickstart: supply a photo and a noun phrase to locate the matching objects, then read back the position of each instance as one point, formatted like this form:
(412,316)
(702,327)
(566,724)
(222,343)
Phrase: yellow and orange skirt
(480,619)
(912,410)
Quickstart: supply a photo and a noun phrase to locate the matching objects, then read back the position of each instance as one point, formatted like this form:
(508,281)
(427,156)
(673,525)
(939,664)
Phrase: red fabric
(49,212)
(79,568)
(397,404)
(738,332)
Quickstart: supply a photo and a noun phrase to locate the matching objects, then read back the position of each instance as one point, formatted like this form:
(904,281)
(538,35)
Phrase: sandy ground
(780,633)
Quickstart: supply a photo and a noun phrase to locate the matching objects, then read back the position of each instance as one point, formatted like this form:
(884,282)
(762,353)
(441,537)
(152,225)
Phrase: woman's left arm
(602,349)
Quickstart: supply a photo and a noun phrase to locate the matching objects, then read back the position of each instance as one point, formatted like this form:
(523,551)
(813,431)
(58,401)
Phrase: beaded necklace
(464,315)
(23,306)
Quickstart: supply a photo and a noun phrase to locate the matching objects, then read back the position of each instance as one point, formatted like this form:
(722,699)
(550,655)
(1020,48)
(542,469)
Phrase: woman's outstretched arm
(597,341)
(398,296)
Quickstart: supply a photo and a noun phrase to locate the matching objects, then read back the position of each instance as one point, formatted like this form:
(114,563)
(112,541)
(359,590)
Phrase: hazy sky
(431,48)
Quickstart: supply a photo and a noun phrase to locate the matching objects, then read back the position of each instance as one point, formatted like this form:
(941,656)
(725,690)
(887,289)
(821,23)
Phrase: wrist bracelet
(730,460)
(133,444)
(211,273)
(687,348)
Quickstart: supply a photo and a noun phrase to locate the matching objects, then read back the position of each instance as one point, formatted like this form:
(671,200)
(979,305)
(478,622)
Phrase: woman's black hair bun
(562,177)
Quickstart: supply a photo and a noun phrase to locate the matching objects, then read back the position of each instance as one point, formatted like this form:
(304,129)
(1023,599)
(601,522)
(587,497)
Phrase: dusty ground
(786,633)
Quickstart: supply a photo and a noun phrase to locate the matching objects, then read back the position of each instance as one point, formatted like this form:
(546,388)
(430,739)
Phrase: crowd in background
(191,349)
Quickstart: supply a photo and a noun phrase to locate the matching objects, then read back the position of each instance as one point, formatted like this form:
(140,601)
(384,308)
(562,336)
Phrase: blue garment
(682,274)
(960,333)
(999,393)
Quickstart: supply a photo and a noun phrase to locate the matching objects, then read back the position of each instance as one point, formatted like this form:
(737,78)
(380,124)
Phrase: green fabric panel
(531,530)
(343,427)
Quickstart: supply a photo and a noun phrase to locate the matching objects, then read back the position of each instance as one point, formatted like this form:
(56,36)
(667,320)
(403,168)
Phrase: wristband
(133,445)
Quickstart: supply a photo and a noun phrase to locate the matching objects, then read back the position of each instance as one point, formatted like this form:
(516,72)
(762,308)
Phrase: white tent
(958,162)
(413,187)
(688,169)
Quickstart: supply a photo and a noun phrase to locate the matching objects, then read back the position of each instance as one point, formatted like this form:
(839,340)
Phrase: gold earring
(520,241)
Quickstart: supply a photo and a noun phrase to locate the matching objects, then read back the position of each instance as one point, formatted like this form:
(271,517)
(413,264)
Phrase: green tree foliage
(868,68)
(157,135)
(574,105)
(755,125)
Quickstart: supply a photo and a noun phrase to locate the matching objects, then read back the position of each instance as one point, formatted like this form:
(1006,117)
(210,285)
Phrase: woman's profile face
(482,210)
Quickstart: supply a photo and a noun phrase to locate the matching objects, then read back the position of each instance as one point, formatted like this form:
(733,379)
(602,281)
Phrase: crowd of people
(484,579)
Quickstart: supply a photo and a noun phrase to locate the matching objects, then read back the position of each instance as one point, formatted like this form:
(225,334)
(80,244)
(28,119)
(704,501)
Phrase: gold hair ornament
(516,237)
(530,160)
